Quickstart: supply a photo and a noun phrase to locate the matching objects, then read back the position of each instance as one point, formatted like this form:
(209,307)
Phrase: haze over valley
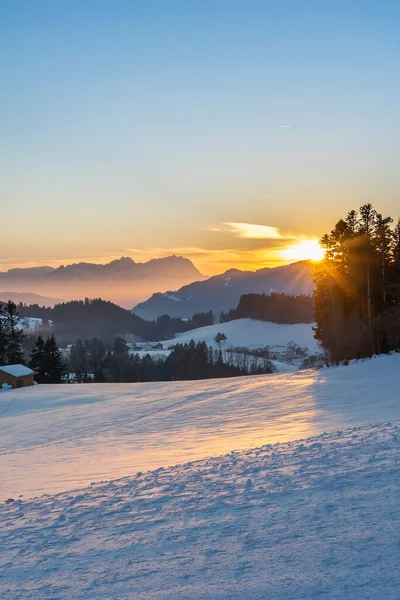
(122,281)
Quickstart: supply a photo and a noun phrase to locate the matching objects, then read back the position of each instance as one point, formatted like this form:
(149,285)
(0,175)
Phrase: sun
(304,250)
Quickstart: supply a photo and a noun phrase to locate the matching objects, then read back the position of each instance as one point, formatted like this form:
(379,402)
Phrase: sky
(220,130)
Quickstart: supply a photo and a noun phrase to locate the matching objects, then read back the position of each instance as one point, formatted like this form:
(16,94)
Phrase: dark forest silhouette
(357,287)
(103,319)
(94,361)
(277,308)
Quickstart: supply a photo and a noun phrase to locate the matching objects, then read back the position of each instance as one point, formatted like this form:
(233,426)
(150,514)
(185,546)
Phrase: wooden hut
(16,375)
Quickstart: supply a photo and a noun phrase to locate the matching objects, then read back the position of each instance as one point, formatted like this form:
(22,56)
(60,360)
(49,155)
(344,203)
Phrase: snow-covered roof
(16,370)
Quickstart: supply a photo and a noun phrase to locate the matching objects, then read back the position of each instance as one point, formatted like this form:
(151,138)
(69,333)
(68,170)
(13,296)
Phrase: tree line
(357,286)
(44,358)
(93,361)
(274,307)
(99,362)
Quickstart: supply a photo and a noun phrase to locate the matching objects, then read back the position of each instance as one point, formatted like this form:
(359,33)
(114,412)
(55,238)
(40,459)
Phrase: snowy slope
(28,323)
(251,333)
(55,438)
(312,520)
(247,333)
(33,323)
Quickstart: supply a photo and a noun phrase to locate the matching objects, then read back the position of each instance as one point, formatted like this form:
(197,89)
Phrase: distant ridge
(31,272)
(123,280)
(123,268)
(222,292)
(27,298)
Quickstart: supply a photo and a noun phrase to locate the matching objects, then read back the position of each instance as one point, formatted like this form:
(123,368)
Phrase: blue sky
(140,127)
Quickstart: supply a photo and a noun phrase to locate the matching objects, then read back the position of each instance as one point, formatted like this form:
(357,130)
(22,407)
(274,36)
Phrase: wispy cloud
(257,232)
(284,126)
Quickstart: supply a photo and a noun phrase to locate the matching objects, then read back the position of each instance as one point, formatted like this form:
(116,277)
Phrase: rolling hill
(251,334)
(27,298)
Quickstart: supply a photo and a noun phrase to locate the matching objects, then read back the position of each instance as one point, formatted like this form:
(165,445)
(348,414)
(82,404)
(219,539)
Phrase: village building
(145,347)
(16,375)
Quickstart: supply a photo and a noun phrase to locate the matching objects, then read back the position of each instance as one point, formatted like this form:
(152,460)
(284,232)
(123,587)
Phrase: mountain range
(124,268)
(222,292)
(123,281)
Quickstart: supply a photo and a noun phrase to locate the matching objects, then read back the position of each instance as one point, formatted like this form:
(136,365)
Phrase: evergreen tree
(119,359)
(396,245)
(219,338)
(356,296)
(56,367)
(97,359)
(3,335)
(211,356)
(46,361)
(14,335)
(38,361)
(79,362)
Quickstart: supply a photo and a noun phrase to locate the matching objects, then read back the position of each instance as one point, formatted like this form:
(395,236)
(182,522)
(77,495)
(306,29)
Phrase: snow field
(312,519)
(308,519)
(251,334)
(56,438)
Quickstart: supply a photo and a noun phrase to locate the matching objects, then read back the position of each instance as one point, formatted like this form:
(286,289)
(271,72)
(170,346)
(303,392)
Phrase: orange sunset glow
(304,250)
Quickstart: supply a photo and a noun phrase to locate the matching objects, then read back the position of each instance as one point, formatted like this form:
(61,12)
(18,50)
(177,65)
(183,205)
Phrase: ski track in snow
(313,519)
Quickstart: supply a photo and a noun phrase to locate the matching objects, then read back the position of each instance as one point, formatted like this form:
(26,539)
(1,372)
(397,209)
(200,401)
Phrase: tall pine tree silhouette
(14,335)
(3,335)
(46,361)
(56,368)
(357,287)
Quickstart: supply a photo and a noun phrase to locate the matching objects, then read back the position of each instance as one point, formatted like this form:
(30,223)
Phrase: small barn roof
(16,370)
